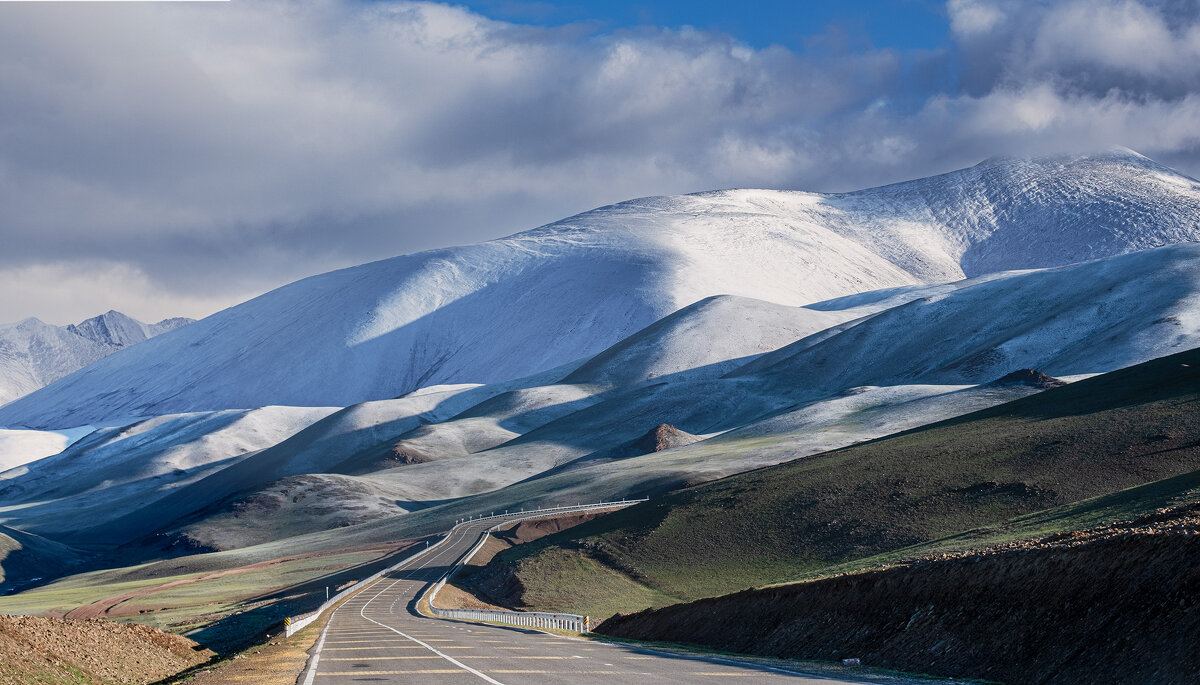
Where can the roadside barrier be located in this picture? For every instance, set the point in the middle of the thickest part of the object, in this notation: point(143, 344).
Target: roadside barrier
point(293, 624)
point(532, 619)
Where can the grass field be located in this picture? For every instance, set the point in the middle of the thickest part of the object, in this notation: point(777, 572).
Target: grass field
point(1102, 449)
point(219, 609)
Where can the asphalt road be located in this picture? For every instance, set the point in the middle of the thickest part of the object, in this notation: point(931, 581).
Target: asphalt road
point(377, 636)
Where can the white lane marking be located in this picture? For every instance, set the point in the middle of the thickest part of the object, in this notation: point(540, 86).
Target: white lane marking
point(316, 657)
point(312, 668)
point(447, 657)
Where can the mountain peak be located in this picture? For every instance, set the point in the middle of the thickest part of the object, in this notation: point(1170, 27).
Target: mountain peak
point(1115, 153)
point(121, 330)
point(34, 353)
point(111, 328)
point(1120, 151)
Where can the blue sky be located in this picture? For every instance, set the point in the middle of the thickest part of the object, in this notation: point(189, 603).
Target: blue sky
point(902, 24)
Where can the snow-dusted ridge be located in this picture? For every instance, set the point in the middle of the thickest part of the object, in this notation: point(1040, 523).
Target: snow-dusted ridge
point(34, 354)
point(512, 307)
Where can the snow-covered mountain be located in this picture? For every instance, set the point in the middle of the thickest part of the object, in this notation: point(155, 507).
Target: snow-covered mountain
point(34, 354)
point(508, 308)
point(863, 367)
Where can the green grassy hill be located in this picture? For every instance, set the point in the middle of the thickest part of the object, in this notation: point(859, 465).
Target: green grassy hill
point(1053, 461)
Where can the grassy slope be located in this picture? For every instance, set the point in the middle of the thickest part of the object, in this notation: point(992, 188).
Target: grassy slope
point(570, 571)
point(846, 508)
point(1113, 604)
point(1122, 505)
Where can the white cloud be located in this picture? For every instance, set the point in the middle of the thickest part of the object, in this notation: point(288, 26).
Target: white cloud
point(1123, 36)
point(968, 17)
point(77, 290)
point(226, 148)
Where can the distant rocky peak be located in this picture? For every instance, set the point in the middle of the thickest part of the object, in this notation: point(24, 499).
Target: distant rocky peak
point(118, 330)
point(171, 324)
point(111, 328)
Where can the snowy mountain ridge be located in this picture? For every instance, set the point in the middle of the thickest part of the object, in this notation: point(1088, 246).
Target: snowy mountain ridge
point(34, 353)
point(116, 329)
point(512, 307)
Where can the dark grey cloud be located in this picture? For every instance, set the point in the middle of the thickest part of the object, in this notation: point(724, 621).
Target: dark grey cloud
point(172, 159)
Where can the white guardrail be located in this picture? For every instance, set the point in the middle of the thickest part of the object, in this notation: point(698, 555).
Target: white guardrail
point(294, 624)
point(533, 619)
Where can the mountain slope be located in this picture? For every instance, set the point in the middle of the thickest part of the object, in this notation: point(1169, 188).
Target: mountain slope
point(875, 373)
point(34, 354)
point(116, 470)
point(566, 291)
point(560, 437)
point(1085, 318)
point(823, 513)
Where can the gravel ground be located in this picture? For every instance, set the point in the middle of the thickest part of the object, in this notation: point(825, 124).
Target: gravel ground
point(40, 650)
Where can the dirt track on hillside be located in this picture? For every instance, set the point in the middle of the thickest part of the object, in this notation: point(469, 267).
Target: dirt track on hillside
point(528, 531)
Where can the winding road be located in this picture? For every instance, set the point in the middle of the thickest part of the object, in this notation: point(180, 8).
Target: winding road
point(377, 636)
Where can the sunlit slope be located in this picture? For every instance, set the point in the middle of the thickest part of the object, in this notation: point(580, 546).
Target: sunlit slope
point(824, 512)
point(573, 429)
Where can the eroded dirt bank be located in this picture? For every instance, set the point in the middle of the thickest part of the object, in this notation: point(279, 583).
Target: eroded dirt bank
point(1114, 604)
point(484, 584)
point(34, 649)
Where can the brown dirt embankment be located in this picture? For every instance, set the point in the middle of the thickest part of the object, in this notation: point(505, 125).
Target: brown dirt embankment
point(519, 534)
point(1116, 604)
point(40, 650)
point(528, 531)
point(465, 591)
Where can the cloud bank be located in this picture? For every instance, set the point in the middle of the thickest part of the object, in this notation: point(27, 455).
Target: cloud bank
point(172, 159)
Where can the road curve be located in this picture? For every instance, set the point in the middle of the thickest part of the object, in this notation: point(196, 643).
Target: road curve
point(377, 636)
